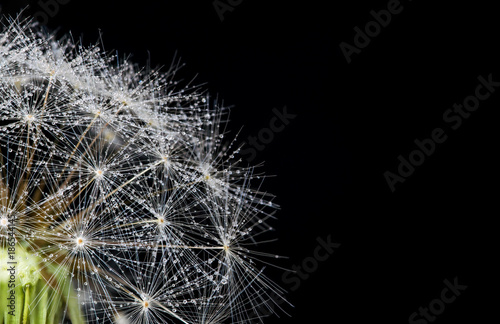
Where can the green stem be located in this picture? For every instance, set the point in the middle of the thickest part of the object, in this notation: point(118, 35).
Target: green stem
point(26, 308)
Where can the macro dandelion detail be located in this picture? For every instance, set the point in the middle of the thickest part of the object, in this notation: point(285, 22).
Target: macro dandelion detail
point(120, 199)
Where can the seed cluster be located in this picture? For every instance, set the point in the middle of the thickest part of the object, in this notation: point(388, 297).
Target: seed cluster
point(121, 182)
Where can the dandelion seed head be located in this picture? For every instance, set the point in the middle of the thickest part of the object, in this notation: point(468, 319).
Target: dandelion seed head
point(127, 198)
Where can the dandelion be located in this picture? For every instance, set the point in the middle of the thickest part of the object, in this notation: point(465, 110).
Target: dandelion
point(119, 200)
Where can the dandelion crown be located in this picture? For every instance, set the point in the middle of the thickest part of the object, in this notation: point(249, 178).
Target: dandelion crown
point(119, 202)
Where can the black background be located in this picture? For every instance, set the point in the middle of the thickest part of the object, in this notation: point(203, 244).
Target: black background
point(353, 121)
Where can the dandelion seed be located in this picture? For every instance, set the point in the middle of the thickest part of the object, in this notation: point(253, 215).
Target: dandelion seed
point(80, 242)
point(99, 173)
point(29, 118)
